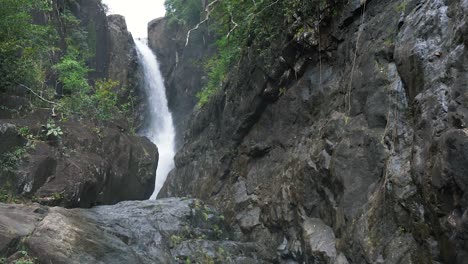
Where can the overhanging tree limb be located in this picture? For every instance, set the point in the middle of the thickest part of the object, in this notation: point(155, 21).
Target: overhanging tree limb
point(208, 11)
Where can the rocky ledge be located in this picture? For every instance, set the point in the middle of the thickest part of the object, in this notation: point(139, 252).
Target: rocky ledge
point(86, 166)
point(162, 231)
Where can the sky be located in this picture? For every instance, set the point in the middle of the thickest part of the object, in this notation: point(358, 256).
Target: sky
point(137, 13)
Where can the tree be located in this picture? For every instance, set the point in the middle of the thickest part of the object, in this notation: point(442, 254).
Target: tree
point(21, 41)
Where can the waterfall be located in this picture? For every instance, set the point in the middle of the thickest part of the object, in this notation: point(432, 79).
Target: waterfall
point(160, 128)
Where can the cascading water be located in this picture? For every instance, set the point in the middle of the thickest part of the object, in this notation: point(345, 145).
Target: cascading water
point(160, 128)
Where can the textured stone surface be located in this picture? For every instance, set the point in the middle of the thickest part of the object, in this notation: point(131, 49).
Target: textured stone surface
point(369, 136)
point(163, 231)
point(88, 165)
point(124, 68)
point(122, 53)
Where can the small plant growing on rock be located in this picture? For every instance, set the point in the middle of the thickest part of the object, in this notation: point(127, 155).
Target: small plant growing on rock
point(218, 232)
point(52, 130)
point(176, 240)
point(9, 160)
point(5, 197)
point(24, 259)
point(24, 132)
point(223, 256)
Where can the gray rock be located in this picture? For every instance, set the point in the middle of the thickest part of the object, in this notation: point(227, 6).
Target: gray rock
point(374, 145)
point(162, 231)
point(319, 237)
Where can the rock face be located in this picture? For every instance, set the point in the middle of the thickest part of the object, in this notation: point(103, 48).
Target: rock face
point(123, 66)
point(359, 142)
point(92, 162)
point(181, 66)
point(123, 60)
point(163, 231)
point(88, 165)
point(92, 16)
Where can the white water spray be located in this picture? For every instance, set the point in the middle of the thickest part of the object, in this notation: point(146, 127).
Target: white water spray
point(160, 129)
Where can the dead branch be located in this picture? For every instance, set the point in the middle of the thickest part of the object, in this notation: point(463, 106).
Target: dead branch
point(268, 6)
point(40, 97)
point(233, 28)
point(207, 17)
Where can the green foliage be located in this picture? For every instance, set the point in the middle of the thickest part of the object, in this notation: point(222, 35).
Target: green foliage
point(9, 160)
point(401, 7)
point(105, 100)
point(24, 132)
point(59, 50)
point(184, 12)
point(25, 259)
point(223, 256)
point(5, 197)
point(22, 43)
point(176, 240)
point(218, 68)
point(95, 102)
point(218, 232)
point(58, 196)
point(52, 130)
point(72, 74)
point(247, 27)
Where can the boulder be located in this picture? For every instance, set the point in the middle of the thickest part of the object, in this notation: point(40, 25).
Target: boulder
point(161, 231)
point(87, 165)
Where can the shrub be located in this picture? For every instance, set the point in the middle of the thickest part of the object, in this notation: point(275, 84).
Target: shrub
point(22, 43)
point(52, 130)
point(72, 74)
point(105, 99)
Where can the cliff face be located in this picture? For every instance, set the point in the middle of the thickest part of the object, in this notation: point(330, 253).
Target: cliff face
point(91, 162)
point(353, 148)
point(181, 66)
point(123, 67)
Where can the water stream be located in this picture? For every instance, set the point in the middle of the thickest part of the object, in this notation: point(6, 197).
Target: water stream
point(160, 129)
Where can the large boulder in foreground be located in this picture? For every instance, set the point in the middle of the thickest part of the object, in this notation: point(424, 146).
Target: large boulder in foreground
point(162, 231)
point(87, 165)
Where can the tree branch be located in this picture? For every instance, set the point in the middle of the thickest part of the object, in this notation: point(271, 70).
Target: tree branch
point(207, 17)
point(235, 26)
point(40, 97)
point(268, 6)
